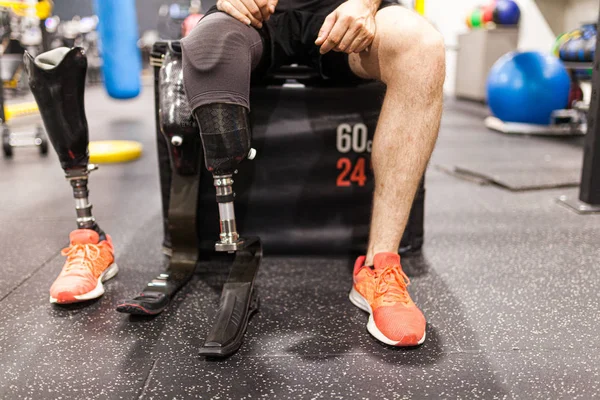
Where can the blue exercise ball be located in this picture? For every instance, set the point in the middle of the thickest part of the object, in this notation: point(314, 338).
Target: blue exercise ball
point(526, 87)
point(507, 12)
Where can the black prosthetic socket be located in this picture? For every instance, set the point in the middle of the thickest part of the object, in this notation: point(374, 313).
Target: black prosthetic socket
point(226, 135)
point(176, 121)
point(57, 81)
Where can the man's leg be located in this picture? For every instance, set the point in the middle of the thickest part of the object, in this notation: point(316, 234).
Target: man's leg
point(407, 55)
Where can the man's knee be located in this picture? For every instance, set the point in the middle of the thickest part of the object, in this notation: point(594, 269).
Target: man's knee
point(217, 40)
point(416, 48)
point(218, 58)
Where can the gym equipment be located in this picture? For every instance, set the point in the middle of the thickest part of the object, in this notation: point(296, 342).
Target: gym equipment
point(507, 12)
point(20, 110)
point(589, 50)
point(11, 140)
point(500, 12)
point(488, 13)
point(588, 201)
point(57, 81)
point(43, 9)
point(122, 64)
point(578, 45)
point(114, 151)
point(571, 49)
point(476, 18)
point(527, 87)
point(468, 21)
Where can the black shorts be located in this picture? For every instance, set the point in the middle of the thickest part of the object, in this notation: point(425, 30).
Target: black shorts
point(289, 38)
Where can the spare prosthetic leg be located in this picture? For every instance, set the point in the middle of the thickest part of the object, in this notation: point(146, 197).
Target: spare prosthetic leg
point(225, 132)
point(182, 135)
point(57, 81)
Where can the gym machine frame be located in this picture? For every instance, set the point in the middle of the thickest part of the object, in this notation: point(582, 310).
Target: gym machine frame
point(238, 298)
point(589, 193)
point(10, 140)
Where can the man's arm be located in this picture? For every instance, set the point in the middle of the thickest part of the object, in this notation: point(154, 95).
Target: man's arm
point(350, 28)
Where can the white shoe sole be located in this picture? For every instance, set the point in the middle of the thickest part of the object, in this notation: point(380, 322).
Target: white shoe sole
point(359, 301)
point(98, 291)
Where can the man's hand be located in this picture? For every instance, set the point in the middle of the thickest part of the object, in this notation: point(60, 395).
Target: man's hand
point(350, 28)
point(249, 12)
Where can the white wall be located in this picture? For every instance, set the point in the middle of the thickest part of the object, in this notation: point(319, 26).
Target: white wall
point(449, 17)
point(580, 11)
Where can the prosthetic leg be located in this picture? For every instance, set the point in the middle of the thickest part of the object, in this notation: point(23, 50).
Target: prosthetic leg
point(181, 132)
point(225, 132)
point(57, 81)
point(226, 139)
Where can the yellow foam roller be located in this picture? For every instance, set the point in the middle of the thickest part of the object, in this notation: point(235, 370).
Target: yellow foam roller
point(19, 110)
point(114, 151)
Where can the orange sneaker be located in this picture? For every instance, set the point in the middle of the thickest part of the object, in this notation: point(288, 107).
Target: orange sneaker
point(89, 263)
point(382, 292)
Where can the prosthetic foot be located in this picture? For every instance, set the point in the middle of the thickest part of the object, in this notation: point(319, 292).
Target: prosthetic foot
point(225, 132)
point(57, 81)
point(182, 135)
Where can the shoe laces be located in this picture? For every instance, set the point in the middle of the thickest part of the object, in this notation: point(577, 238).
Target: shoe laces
point(392, 282)
point(81, 255)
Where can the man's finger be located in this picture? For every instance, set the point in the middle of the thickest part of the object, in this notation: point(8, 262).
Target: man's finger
point(348, 39)
point(364, 45)
point(273, 5)
point(326, 28)
point(252, 7)
point(263, 7)
point(241, 8)
point(358, 40)
point(335, 36)
point(227, 7)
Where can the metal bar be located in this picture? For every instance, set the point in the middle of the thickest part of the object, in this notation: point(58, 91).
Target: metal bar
point(2, 114)
point(590, 176)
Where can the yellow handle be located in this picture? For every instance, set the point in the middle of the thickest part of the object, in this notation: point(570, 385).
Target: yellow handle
point(43, 9)
point(420, 6)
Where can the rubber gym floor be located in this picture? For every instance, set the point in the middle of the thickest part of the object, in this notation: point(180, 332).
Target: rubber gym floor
point(509, 282)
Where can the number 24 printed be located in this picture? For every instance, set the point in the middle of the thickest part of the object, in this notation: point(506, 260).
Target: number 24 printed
point(350, 174)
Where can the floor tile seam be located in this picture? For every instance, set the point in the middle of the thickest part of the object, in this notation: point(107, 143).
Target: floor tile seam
point(30, 275)
point(148, 379)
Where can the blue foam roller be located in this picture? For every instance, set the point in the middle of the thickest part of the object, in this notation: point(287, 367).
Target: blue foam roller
point(122, 62)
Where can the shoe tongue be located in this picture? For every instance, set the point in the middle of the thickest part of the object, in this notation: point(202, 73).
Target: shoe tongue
point(84, 236)
point(383, 260)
